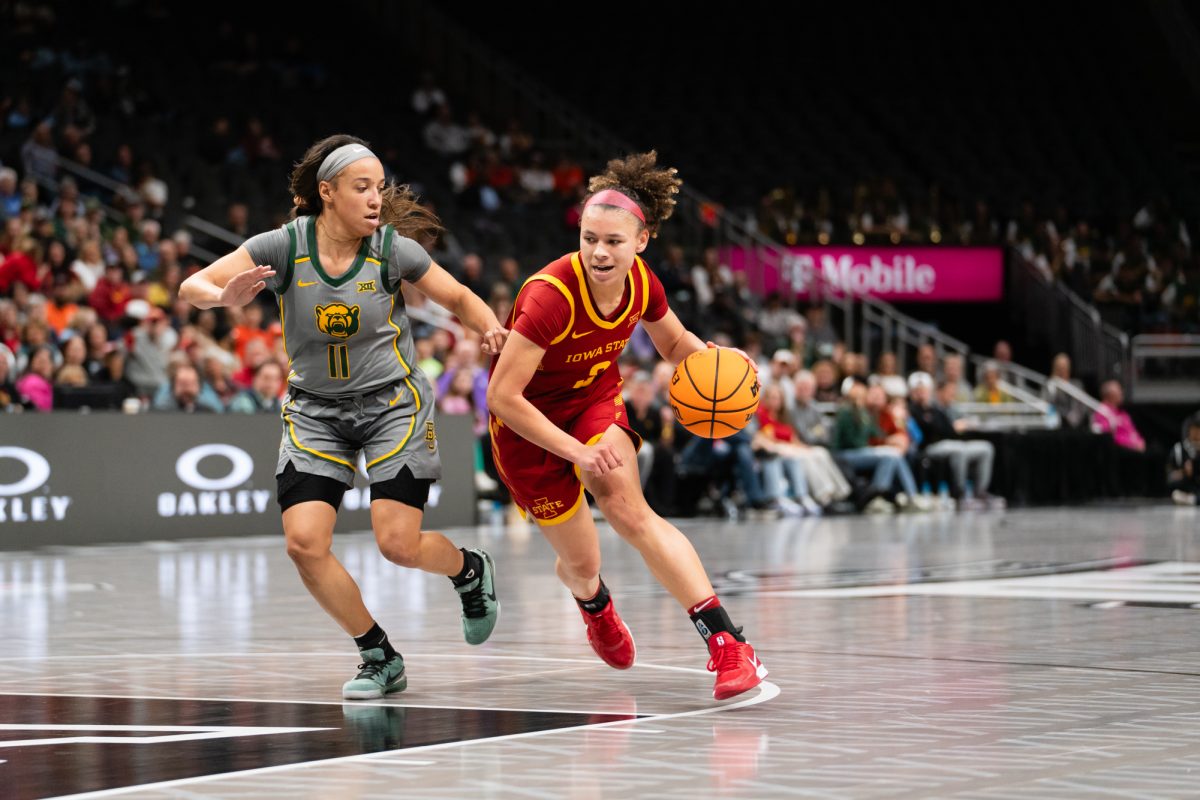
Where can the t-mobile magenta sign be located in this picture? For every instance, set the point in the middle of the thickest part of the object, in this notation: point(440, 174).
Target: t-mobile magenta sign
point(902, 274)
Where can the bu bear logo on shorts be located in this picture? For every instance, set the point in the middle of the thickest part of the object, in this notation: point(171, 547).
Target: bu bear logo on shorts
point(338, 320)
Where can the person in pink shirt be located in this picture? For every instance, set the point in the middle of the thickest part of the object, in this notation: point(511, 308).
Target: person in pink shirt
point(35, 385)
point(1115, 420)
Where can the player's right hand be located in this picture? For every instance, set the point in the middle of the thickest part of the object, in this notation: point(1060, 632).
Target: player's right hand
point(242, 287)
point(599, 459)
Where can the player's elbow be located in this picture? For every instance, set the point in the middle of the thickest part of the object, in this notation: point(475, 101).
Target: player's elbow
point(189, 290)
point(499, 401)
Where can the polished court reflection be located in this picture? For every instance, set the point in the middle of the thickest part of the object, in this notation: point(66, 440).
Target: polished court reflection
point(1029, 654)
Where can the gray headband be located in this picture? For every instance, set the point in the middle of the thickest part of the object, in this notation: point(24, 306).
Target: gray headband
point(341, 158)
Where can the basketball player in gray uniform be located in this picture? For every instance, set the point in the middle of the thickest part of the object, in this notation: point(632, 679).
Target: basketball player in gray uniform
point(353, 384)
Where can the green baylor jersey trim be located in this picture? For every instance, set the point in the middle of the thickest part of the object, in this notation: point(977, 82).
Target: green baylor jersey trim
point(349, 334)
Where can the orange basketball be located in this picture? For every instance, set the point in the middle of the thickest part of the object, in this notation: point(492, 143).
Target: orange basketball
point(714, 392)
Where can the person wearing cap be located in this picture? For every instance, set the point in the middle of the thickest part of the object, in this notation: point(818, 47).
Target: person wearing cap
point(780, 373)
point(149, 346)
point(941, 439)
point(336, 271)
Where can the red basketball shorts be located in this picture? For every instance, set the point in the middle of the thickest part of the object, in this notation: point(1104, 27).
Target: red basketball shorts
point(544, 486)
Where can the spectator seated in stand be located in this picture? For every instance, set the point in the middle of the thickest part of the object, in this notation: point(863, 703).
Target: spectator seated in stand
point(645, 417)
point(35, 387)
point(825, 478)
point(1114, 419)
point(779, 450)
point(9, 399)
point(1183, 465)
point(780, 371)
point(1072, 414)
point(856, 426)
point(989, 390)
point(887, 376)
point(940, 439)
point(184, 391)
point(954, 371)
point(263, 396)
point(663, 437)
point(827, 390)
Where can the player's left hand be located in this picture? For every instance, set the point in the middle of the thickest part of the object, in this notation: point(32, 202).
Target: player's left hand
point(753, 364)
point(493, 340)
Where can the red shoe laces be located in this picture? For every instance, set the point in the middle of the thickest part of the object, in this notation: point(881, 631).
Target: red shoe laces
point(725, 658)
point(608, 623)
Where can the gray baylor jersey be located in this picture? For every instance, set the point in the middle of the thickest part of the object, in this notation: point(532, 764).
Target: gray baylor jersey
point(347, 335)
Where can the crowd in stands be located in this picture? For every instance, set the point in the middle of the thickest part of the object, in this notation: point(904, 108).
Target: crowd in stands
point(90, 317)
point(1142, 272)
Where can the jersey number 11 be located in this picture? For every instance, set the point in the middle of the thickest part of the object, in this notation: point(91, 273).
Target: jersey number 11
point(339, 362)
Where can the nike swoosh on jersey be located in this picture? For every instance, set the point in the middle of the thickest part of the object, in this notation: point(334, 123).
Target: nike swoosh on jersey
point(575, 335)
point(302, 284)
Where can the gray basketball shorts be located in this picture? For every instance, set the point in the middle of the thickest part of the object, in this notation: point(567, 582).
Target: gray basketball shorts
point(380, 432)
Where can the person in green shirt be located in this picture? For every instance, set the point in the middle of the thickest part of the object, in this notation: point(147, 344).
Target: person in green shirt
point(853, 430)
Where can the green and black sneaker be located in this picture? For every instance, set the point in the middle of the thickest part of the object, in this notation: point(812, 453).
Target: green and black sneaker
point(377, 676)
point(480, 608)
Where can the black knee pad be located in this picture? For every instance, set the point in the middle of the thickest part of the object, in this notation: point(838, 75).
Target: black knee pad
point(295, 487)
point(404, 488)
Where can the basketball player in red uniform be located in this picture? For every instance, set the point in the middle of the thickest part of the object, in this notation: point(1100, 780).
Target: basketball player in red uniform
point(559, 424)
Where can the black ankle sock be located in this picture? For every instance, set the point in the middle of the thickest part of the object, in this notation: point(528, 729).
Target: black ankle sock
point(472, 568)
point(375, 638)
point(715, 620)
point(597, 603)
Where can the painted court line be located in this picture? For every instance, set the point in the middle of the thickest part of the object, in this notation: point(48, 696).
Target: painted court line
point(144, 656)
point(766, 691)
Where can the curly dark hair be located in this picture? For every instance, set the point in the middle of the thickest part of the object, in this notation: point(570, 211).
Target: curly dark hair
point(652, 187)
point(399, 207)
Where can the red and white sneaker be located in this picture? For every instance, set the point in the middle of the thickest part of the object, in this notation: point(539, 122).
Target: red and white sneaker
point(738, 669)
point(610, 638)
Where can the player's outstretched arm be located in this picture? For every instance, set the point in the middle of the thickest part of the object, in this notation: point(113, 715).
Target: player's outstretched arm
point(231, 280)
point(441, 287)
point(506, 399)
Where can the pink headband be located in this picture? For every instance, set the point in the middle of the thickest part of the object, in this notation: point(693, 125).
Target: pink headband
point(611, 197)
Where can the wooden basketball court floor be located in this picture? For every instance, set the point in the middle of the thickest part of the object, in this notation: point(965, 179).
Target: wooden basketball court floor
point(1028, 654)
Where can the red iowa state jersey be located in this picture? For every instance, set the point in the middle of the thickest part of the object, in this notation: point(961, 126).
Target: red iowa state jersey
point(555, 310)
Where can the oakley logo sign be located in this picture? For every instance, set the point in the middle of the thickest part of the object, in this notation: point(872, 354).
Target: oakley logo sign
point(18, 503)
point(215, 496)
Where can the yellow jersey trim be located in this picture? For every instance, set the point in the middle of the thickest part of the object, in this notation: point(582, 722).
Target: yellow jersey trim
point(283, 336)
point(317, 453)
point(641, 265)
point(374, 261)
point(412, 422)
point(400, 358)
point(562, 287)
point(561, 518)
point(589, 443)
point(590, 305)
point(303, 259)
